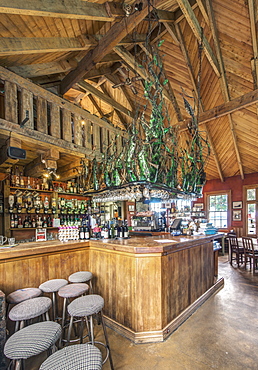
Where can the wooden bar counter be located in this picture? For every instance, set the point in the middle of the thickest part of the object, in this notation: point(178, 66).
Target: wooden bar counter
point(150, 284)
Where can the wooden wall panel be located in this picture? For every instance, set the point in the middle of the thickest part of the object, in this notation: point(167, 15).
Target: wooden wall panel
point(11, 102)
point(27, 106)
point(67, 126)
point(189, 275)
point(42, 115)
point(34, 270)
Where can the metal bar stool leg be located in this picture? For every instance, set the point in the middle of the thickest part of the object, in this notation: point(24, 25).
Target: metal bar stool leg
point(69, 331)
point(106, 339)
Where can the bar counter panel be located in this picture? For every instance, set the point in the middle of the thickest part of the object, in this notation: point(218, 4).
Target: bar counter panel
point(146, 285)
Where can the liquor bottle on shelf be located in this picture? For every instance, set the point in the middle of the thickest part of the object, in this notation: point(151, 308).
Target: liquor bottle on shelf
point(46, 204)
point(33, 222)
point(105, 232)
point(126, 233)
point(11, 203)
point(21, 180)
point(26, 222)
point(28, 182)
point(15, 221)
point(17, 177)
point(81, 233)
point(29, 221)
point(116, 230)
point(20, 225)
point(87, 231)
point(12, 224)
point(44, 224)
point(12, 177)
point(53, 205)
point(49, 221)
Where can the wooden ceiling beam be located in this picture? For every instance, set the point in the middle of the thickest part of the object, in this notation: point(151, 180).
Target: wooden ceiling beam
point(115, 34)
point(88, 87)
point(254, 62)
point(202, 6)
point(196, 28)
point(37, 70)
point(224, 109)
point(72, 9)
point(36, 45)
point(170, 27)
point(94, 103)
point(223, 81)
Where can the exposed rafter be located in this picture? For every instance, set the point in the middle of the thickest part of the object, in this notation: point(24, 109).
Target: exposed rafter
point(115, 34)
point(35, 45)
point(191, 74)
point(253, 20)
point(119, 114)
point(224, 109)
point(223, 82)
point(196, 28)
point(88, 87)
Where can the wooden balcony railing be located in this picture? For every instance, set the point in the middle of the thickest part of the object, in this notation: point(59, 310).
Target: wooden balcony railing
point(29, 110)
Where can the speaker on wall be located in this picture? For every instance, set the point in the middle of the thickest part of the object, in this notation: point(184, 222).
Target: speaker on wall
point(16, 153)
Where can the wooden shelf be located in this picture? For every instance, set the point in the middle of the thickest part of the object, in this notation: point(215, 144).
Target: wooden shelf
point(37, 190)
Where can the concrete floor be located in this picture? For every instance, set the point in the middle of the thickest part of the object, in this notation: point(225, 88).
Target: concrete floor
point(221, 334)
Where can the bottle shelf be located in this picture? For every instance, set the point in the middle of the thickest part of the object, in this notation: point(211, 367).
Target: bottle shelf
point(30, 228)
point(37, 190)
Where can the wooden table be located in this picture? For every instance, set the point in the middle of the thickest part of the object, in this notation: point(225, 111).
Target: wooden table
point(150, 284)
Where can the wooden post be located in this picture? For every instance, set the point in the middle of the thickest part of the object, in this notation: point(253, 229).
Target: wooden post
point(11, 102)
point(42, 115)
point(87, 132)
point(77, 122)
point(55, 121)
point(67, 126)
point(27, 107)
point(96, 137)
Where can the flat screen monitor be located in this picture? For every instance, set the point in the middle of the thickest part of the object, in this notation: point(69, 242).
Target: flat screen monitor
point(176, 224)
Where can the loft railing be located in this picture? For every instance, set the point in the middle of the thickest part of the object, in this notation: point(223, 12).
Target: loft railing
point(31, 109)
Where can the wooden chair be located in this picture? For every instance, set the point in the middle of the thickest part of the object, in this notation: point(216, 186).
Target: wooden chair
point(235, 249)
point(251, 255)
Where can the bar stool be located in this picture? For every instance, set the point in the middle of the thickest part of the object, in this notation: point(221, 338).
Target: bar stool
point(31, 341)
point(52, 286)
point(81, 277)
point(29, 309)
point(21, 295)
point(87, 306)
point(76, 357)
point(71, 291)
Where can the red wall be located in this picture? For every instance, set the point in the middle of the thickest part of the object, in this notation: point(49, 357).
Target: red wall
point(235, 184)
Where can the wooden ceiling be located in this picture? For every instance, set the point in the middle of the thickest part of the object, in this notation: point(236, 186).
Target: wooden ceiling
point(80, 49)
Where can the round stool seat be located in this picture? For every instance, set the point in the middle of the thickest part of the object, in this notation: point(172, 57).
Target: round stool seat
point(76, 357)
point(21, 295)
point(32, 340)
point(80, 277)
point(86, 305)
point(52, 285)
point(73, 290)
point(29, 309)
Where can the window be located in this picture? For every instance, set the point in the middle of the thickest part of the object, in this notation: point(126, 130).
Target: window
point(251, 206)
point(217, 210)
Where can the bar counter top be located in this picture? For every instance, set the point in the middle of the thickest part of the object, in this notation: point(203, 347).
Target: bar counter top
point(164, 244)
